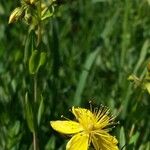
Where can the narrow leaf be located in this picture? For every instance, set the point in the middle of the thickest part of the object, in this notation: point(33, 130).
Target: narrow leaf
point(40, 110)
point(122, 139)
point(83, 77)
point(143, 53)
point(34, 62)
point(29, 114)
point(42, 59)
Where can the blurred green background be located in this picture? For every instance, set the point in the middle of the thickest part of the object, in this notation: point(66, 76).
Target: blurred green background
point(92, 47)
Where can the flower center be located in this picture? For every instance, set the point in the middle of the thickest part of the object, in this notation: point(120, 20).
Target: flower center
point(90, 127)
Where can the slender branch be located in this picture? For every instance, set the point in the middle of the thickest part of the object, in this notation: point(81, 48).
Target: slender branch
point(35, 142)
point(39, 24)
point(39, 34)
point(35, 137)
point(35, 88)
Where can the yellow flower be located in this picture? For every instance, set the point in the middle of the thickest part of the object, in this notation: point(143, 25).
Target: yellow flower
point(91, 126)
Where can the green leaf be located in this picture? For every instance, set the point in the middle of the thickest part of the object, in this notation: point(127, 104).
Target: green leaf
point(147, 86)
point(29, 46)
point(51, 143)
point(148, 2)
point(14, 136)
point(46, 13)
point(147, 147)
point(137, 81)
point(29, 114)
point(83, 77)
point(134, 138)
point(122, 139)
point(34, 62)
point(15, 129)
point(40, 110)
point(42, 59)
point(143, 54)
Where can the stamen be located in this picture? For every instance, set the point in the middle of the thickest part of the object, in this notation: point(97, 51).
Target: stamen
point(65, 118)
point(100, 134)
point(90, 102)
point(95, 111)
point(101, 113)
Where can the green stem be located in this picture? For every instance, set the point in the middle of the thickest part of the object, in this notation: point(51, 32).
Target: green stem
point(35, 88)
point(39, 24)
point(35, 142)
point(39, 36)
point(35, 138)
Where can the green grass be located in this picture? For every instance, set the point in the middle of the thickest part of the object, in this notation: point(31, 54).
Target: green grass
point(92, 47)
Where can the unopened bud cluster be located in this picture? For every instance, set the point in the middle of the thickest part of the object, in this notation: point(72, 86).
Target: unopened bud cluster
point(144, 82)
point(31, 1)
point(33, 11)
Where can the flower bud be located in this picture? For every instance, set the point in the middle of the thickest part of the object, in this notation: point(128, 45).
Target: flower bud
point(30, 2)
point(33, 1)
point(28, 17)
point(15, 15)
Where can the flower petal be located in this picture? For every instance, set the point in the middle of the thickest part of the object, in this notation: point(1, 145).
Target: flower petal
point(104, 141)
point(78, 142)
point(84, 116)
point(66, 127)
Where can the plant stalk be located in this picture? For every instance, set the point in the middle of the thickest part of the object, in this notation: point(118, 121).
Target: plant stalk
point(35, 142)
point(35, 137)
point(39, 36)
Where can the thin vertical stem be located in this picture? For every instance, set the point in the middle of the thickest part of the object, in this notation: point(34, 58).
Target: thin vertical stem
point(35, 88)
point(39, 23)
point(125, 41)
point(35, 142)
point(35, 138)
point(39, 36)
